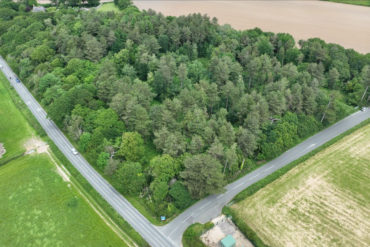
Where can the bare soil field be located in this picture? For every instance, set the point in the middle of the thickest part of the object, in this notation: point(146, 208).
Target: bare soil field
point(324, 201)
point(344, 24)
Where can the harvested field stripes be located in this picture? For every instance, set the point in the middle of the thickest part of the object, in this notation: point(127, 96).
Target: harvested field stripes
point(324, 201)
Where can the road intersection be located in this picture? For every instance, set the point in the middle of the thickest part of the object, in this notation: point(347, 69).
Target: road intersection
point(202, 211)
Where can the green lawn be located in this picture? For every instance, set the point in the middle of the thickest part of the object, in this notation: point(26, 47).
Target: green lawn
point(37, 207)
point(323, 201)
point(355, 2)
point(108, 7)
point(14, 130)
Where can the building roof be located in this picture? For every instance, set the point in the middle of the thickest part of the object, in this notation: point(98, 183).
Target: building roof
point(228, 241)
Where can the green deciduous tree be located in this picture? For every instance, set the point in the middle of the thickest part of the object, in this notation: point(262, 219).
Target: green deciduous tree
point(102, 160)
point(132, 146)
point(164, 167)
point(180, 194)
point(159, 190)
point(131, 178)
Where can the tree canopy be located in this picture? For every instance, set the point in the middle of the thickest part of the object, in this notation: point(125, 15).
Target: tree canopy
point(173, 107)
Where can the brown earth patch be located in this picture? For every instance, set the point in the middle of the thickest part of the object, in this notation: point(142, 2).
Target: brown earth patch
point(36, 145)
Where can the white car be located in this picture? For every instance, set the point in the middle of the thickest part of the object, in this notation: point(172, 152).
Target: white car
point(1, 66)
point(74, 151)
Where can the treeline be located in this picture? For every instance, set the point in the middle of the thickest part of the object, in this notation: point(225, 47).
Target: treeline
point(169, 109)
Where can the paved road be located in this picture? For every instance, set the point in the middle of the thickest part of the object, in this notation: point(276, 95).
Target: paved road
point(149, 232)
point(202, 211)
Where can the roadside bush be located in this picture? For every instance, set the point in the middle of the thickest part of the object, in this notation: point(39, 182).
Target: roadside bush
point(191, 236)
point(122, 4)
point(181, 195)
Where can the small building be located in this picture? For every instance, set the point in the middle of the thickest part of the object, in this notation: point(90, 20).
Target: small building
point(228, 241)
point(38, 9)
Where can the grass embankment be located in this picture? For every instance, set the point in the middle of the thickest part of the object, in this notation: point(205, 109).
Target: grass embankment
point(191, 236)
point(323, 200)
point(36, 206)
point(354, 2)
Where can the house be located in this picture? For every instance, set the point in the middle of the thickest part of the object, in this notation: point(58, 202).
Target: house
point(228, 241)
point(38, 9)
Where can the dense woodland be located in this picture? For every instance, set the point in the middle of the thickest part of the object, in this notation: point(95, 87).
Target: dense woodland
point(171, 109)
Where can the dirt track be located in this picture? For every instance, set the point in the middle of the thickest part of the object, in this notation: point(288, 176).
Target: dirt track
point(347, 25)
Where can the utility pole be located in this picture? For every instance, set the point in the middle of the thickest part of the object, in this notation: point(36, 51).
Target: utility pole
point(327, 107)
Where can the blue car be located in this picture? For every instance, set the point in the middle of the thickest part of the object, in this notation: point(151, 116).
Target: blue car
point(17, 80)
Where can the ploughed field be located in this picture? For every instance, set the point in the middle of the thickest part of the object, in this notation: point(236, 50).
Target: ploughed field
point(325, 201)
point(39, 206)
point(344, 24)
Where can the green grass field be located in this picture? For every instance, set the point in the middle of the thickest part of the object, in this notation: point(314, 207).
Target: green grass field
point(355, 2)
point(37, 207)
point(14, 130)
point(108, 7)
point(323, 201)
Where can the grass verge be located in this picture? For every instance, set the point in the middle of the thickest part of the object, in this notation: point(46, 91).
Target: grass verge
point(191, 236)
point(353, 2)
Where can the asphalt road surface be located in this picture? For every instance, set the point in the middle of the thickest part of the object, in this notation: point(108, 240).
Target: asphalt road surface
point(204, 210)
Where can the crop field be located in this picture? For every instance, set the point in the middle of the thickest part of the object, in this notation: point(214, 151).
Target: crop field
point(39, 205)
point(324, 201)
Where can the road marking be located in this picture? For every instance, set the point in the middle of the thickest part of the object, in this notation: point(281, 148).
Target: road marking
point(219, 196)
point(173, 231)
point(205, 205)
point(28, 102)
point(187, 218)
point(312, 145)
point(38, 109)
point(254, 176)
point(237, 186)
point(269, 168)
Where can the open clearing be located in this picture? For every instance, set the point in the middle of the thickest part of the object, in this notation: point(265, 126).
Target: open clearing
point(106, 7)
point(344, 24)
point(325, 201)
point(38, 205)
